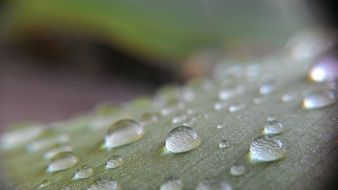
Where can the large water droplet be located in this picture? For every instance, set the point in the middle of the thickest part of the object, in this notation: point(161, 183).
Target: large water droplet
point(319, 99)
point(273, 127)
point(83, 172)
point(172, 183)
point(123, 132)
point(182, 139)
point(325, 70)
point(223, 144)
point(105, 185)
point(237, 170)
point(19, 137)
point(236, 107)
point(114, 162)
point(47, 142)
point(213, 184)
point(52, 153)
point(62, 161)
point(45, 184)
point(266, 149)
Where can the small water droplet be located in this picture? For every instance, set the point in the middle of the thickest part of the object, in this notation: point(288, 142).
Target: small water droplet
point(172, 183)
point(62, 161)
point(19, 137)
point(220, 125)
point(44, 184)
point(267, 149)
point(47, 143)
point(213, 184)
point(325, 70)
point(53, 152)
point(123, 132)
point(182, 139)
point(220, 105)
point(273, 127)
point(319, 99)
point(237, 170)
point(230, 92)
point(223, 144)
point(105, 185)
point(236, 107)
point(114, 162)
point(267, 88)
point(288, 97)
point(83, 172)
point(178, 119)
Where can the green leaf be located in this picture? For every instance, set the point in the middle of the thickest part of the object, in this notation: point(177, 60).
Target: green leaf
point(310, 137)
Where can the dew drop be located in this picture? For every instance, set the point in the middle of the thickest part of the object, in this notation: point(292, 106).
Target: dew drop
point(105, 185)
point(318, 99)
point(62, 161)
point(182, 139)
point(237, 170)
point(267, 149)
point(236, 107)
point(123, 132)
point(114, 162)
point(44, 184)
point(273, 127)
point(47, 143)
point(53, 152)
point(325, 70)
point(19, 137)
point(213, 184)
point(83, 172)
point(223, 144)
point(172, 183)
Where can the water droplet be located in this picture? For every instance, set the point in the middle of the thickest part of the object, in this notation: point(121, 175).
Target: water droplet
point(273, 127)
point(172, 183)
point(288, 97)
point(267, 149)
point(105, 185)
point(220, 125)
point(123, 132)
point(62, 161)
point(325, 70)
point(236, 107)
point(114, 162)
point(19, 137)
point(44, 184)
point(237, 170)
point(220, 105)
point(47, 143)
point(182, 139)
point(223, 144)
point(267, 88)
point(178, 119)
point(83, 172)
point(319, 99)
point(230, 92)
point(213, 184)
point(52, 153)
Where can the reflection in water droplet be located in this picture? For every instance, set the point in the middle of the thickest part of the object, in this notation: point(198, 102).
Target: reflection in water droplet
point(273, 127)
point(319, 99)
point(236, 107)
point(182, 139)
point(213, 184)
point(224, 144)
point(114, 162)
point(47, 142)
point(105, 185)
point(123, 132)
point(44, 184)
point(62, 161)
point(325, 70)
point(266, 149)
point(83, 172)
point(19, 137)
point(53, 152)
point(237, 170)
point(172, 183)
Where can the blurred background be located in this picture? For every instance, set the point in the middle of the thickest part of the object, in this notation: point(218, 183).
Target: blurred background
point(59, 58)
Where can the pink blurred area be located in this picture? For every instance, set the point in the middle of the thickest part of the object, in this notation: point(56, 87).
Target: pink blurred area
point(41, 94)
